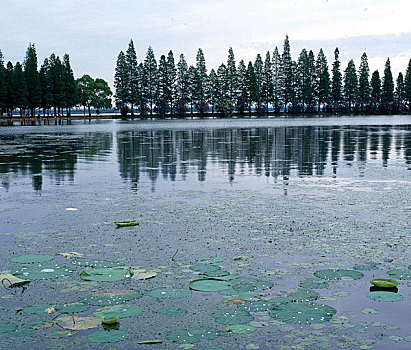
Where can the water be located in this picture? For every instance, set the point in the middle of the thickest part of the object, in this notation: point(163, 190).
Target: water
point(287, 196)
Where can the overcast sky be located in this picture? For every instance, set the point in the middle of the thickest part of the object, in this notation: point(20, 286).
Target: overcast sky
point(93, 32)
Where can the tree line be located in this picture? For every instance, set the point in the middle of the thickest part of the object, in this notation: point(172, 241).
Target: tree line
point(51, 89)
point(277, 84)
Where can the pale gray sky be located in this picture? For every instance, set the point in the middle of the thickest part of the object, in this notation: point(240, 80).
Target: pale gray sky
point(93, 32)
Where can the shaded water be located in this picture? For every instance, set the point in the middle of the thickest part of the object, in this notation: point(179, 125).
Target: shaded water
point(289, 197)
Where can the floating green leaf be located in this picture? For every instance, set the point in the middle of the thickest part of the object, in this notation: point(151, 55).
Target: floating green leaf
point(256, 306)
point(369, 267)
point(106, 274)
point(313, 283)
point(337, 274)
point(123, 311)
point(31, 258)
point(43, 272)
point(303, 312)
point(192, 335)
point(169, 293)
point(230, 317)
point(400, 274)
point(126, 223)
point(240, 328)
point(111, 298)
point(38, 309)
point(111, 336)
point(86, 262)
point(244, 287)
point(209, 285)
point(384, 282)
point(261, 284)
point(205, 268)
point(7, 327)
point(384, 296)
point(216, 274)
point(72, 307)
point(172, 311)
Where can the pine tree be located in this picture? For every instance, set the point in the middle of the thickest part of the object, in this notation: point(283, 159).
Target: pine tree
point(336, 84)
point(276, 78)
point(150, 73)
point(267, 85)
point(364, 88)
point(3, 85)
point(9, 87)
point(70, 93)
point(191, 88)
point(259, 78)
point(133, 90)
point(232, 77)
point(407, 86)
point(350, 84)
point(387, 95)
point(200, 83)
point(142, 83)
point(322, 80)
point(312, 76)
point(251, 86)
point(399, 92)
point(19, 88)
point(163, 86)
point(172, 76)
point(32, 79)
point(375, 89)
point(212, 89)
point(182, 83)
point(121, 84)
point(57, 83)
point(303, 80)
point(223, 98)
point(45, 83)
point(242, 89)
point(287, 91)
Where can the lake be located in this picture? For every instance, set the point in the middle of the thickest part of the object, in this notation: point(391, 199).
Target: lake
point(287, 220)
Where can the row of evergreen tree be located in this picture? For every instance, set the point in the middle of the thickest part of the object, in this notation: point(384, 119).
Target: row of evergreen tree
point(53, 88)
point(277, 84)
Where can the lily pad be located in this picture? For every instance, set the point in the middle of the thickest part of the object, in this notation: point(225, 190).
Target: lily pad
point(220, 273)
point(205, 268)
point(72, 307)
point(79, 323)
point(313, 283)
point(303, 312)
point(123, 311)
point(169, 293)
point(106, 274)
point(245, 287)
point(384, 296)
point(400, 274)
point(261, 284)
point(337, 274)
point(211, 260)
point(300, 295)
point(111, 336)
point(209, 285)
point(192, 335)
point(111, 298)
point(256, 306)
point(365, 267)
point(7, 327)
point(230, 317)
point(31, 258)
point(86, 262)
point(384, 282)
point(240, 328)
point(23, 330)
point(172, 311)
point(39, 309)
point(43, 272)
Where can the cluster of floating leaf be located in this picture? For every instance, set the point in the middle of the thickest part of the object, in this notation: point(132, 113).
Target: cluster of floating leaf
point(249, 295)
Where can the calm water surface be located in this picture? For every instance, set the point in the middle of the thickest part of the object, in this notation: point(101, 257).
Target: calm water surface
point(276, 199)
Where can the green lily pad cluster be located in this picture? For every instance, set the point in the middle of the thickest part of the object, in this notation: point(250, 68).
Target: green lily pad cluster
point(303, 312)
point(31, 258)
point(384, 296)
point(337, 274)
point(43, 271)
point(111, 298)
point(107, 336)
point(106, 274)
point(230, 317)
point(122, 311)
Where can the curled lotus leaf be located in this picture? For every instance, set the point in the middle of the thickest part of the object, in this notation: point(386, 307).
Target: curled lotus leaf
point(192, 335)
point(337, 274)
point(384, 296)
point(162, 293)
point(31, 258)
point(111, 298)
point(209, 285)
point(230, 317)
point(110, 336)
point(122, 311)
point(303, 312)
point(106, 274)
point(400, 274)
point(43, 271)
point(384, 282)
point(313, 283)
